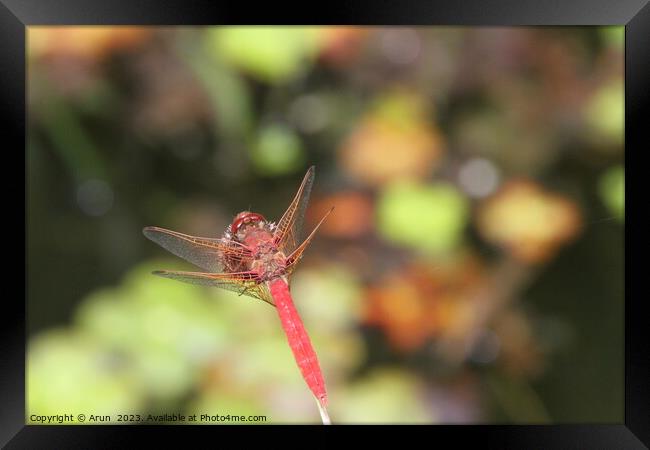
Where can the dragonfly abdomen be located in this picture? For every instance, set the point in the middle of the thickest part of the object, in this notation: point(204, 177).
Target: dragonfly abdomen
point(298, 338)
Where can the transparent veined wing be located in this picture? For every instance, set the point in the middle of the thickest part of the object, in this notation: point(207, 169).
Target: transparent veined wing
point(288, 231)
point(206, 253)
point(294, 257)
point(244, 283)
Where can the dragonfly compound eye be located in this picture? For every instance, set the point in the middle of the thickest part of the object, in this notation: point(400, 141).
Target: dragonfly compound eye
point(245, 218)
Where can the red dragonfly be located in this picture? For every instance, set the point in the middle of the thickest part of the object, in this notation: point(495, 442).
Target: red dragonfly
point(255, 257)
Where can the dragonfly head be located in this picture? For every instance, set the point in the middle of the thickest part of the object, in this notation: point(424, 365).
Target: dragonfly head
point(244, 220)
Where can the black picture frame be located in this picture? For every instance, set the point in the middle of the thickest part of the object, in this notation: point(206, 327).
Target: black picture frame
point(16, 15)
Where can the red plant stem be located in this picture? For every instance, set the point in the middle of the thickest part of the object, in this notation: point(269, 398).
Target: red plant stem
point(298, 339)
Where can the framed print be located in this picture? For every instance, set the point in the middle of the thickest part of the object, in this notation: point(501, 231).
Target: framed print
point(407, 214)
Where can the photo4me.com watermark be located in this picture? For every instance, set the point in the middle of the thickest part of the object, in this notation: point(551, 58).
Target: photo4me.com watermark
point(81, 418)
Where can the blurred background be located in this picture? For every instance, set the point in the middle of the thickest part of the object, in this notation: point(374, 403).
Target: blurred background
point(472, 271)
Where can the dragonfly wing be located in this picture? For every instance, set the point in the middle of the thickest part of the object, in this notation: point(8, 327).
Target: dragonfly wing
point(206, 253)
point(295, 256)
point(287, 232)
point(244, 283)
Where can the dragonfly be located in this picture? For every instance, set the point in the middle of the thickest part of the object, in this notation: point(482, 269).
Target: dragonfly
point(255, 257)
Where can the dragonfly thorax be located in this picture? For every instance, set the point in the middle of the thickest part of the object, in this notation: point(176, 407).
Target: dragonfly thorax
point(256, 234)
point(269, 263)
